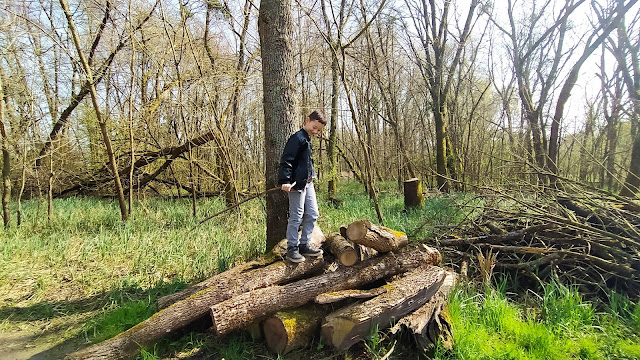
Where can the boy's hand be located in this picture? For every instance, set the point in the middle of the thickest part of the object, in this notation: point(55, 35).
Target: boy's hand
point(287, 187)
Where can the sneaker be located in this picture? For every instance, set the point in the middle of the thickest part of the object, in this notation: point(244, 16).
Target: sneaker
point(307, 250)
point(293, 255)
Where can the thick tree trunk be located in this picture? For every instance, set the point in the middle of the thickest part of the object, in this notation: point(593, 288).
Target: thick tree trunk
point(377, 237)
point(428, 324)
point(275, 26)
point(248, 307)
point(292, 329)
point(127, 345)
point(344, 250)
point(347, 326)
point(413, 193)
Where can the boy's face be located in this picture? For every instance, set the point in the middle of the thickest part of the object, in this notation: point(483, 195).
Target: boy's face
point(313, 127)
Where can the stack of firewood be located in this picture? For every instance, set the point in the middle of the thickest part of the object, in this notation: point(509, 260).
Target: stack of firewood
point(368, 277)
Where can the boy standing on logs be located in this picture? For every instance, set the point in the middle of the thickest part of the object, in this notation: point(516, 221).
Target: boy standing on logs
point(296, 176)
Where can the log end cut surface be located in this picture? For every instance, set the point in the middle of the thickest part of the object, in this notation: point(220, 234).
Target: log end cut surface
point(275, 335)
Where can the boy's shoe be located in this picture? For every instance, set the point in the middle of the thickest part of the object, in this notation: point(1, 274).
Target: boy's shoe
point(307, 250)
point(293, 255)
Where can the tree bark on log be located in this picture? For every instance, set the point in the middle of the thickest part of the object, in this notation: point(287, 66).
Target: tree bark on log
point(413, 193)
point(342, 249)
point(377, 237)
point(427, 323)
point(250, 306)
point(127, 345)
point(335, 296)
point(347, 326)
point(291, 329)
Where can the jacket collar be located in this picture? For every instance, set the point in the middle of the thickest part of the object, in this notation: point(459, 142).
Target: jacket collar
point(306, 135)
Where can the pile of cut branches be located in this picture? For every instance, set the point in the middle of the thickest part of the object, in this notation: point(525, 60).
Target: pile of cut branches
point(578, 235)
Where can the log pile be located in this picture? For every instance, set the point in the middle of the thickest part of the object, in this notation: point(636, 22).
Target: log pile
point(340, 296)
point(576, 235)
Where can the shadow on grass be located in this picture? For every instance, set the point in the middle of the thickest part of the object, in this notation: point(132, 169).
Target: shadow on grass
point(119, 310)
point(48, 310)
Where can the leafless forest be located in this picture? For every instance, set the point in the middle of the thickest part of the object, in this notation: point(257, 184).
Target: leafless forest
point(116, 97)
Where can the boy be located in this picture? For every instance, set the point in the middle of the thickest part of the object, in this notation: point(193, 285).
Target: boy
point(296, 176)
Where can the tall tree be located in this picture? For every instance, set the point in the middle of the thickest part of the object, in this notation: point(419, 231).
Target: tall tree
point(630, 49)
point(431, 20)
point(275, 26)
point(94, 99)
point(596, 38)
point(6, 157)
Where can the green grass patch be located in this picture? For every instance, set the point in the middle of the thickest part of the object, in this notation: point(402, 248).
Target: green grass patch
point(489, 325)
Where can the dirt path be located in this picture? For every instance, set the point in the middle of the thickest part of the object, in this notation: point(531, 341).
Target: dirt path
point(28, 345)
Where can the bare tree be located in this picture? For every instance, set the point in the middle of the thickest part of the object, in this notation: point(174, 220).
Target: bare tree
point(431, 21)
point(94, 99)
point(276, 30)
point(628, 48)
point(6, 156)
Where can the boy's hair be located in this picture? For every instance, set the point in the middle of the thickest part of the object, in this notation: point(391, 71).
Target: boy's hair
point(318, 115)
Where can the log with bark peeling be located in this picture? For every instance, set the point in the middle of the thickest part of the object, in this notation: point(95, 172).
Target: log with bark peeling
point(427, 323)
point(335, 296)
point(347, 326)
point(291, 329)
point(127, 345)
point(377, 237)
point(237, 312)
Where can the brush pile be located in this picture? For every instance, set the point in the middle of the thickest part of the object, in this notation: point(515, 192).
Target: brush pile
point(369, 277)
point(577, 235)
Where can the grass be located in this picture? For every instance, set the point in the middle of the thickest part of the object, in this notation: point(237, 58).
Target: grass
point(559, 324)
point(84, 274)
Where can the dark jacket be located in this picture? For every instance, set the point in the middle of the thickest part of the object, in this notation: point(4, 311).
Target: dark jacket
point(296, 163)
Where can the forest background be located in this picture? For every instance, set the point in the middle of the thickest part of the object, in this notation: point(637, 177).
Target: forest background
point(169, 96)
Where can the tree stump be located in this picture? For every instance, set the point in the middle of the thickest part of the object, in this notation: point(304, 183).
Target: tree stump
point(291, 329)
point(344, 250)
point(347, 326)
point(237, 312)
point(413, 193)
point(377, 237)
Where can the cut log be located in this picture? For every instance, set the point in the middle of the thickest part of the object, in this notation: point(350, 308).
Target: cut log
point(245, 308)
point(347, 326)
point(428, 324)
point(127, 345)
point(413, 193)
point(335, 296)
point(317, 238)
point(292, 329)
point(377, 237)
point(344, 250)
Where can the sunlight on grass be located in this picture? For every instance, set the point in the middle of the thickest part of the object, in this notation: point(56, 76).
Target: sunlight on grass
point(490, 326)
